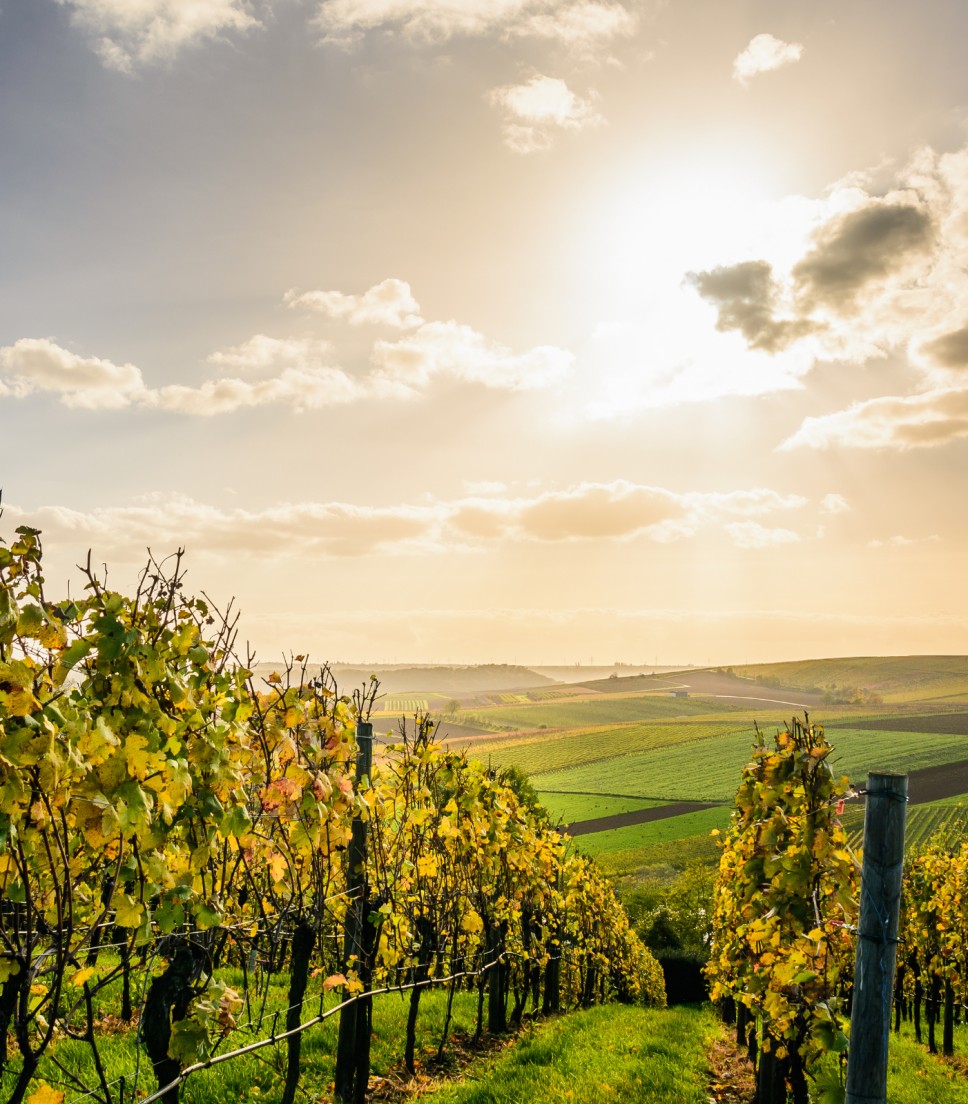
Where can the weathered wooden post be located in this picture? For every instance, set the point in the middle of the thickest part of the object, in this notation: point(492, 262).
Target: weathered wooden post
point(880, 905)
point(352, 1047)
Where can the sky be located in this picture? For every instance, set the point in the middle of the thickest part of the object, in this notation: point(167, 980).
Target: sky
point(465, 331)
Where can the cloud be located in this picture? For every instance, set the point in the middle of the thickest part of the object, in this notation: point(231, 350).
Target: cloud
point(746, 297)
point(581, 24)
point(535, 109)
point(904, 542)
point(750, 534)
point(38, 364)
point(855, 249)
point(834, 504)
point(294, 372)
point(127, 33)
point(880, 274)
point(389, 303)
point(950, 350)
point(620, 510)
point(608, 511)
point(299, 388)
point(763, 54)
point(914, 421)
point(261, 354)
point(450, 349)
point(301, 380)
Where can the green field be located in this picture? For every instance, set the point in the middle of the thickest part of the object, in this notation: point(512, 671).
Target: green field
point(647, 836)
point(709, 770)
point(551, 751)
point(606, 753)
point(948, 819)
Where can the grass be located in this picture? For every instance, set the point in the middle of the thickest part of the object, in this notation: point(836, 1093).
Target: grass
point(612, 1054)
point(645, 837)
point(261, 1074)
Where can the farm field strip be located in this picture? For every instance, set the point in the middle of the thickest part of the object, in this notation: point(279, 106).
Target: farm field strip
point(568, 808)
point(948, 724)
point(551, 751)
point(403, 706)
point(600, 710)
point(709, 770)
point(636, 836)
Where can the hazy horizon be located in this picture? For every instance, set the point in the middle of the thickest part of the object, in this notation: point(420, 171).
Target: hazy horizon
point(458, 331)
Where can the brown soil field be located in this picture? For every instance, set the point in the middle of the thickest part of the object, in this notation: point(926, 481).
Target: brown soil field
point(938, 783)
point(954, 723)
point(637, 816)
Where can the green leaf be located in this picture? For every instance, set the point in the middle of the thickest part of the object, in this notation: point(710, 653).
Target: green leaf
point(29, 620)
point(236, 822)
point(8, 616)
point(189, 1042)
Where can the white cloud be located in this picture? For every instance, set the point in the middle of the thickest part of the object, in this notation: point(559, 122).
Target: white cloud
point(261, 353)
point(904, 542)
point(764, 53)
point(834, 504)
point(294, 372)
point(38, 364)
point(127, 33)
point(460, 352)
point(614, 511)
point(297, 388)
point(750, 534)
point(538, 107)
point(389, 303)
point(580, 24)
point(913, 421)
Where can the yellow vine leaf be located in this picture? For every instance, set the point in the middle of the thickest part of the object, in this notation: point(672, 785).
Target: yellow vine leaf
point(46, 1095)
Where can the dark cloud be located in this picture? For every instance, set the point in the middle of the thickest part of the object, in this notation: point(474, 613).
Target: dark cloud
point(745, 295)
point(950, 350)
point(861, 246)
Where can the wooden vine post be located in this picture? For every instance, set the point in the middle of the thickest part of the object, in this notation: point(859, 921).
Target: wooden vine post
point(880, 903)
point(353, 1045)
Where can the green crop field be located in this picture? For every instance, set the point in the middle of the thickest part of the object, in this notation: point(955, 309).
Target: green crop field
point(948, 819)
point(709, 770)
point(552, 751)
point(406, 707)
point(641, 836)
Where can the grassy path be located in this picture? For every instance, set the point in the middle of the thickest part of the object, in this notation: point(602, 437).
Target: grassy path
point(625, 1055)
point(607, 1055)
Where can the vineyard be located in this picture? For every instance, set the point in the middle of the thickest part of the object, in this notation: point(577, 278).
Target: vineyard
point(175, 842)
point(788, 926)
